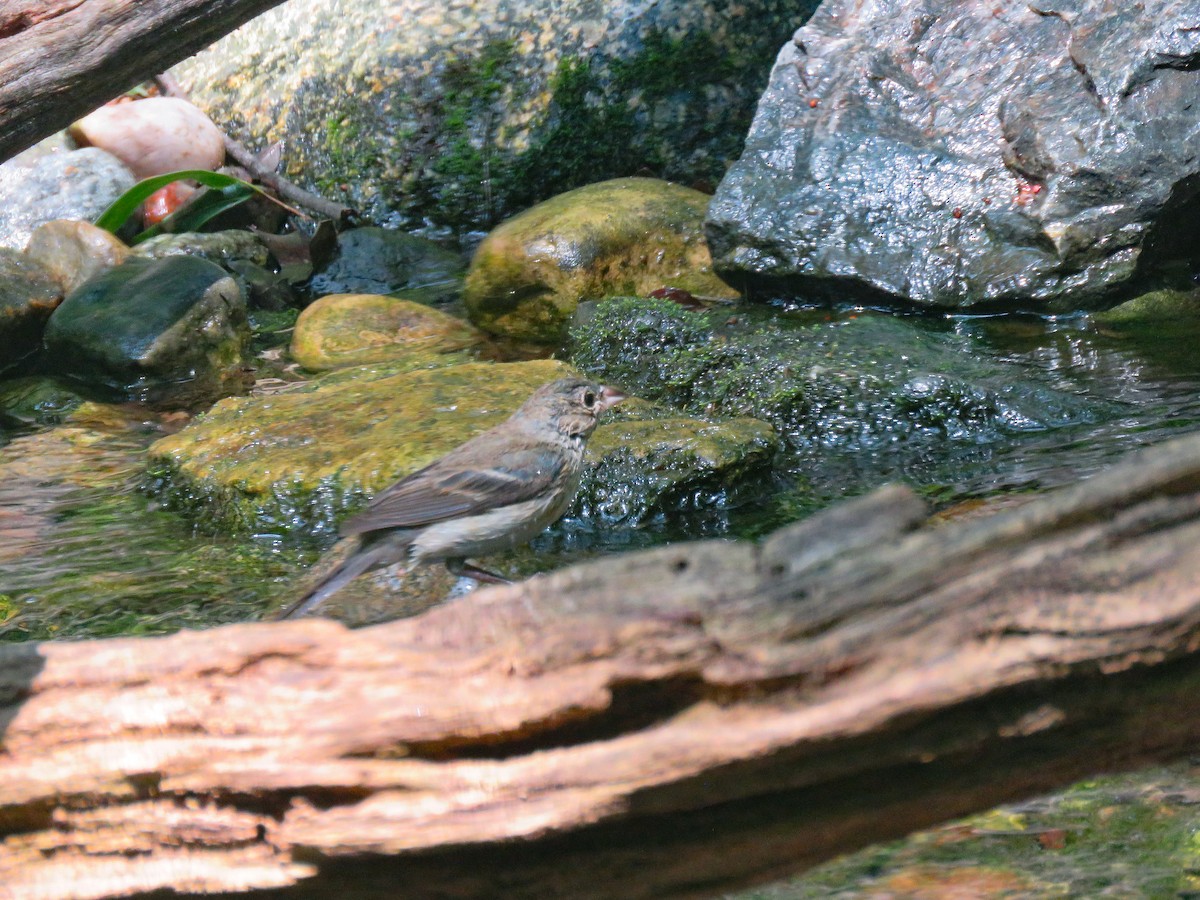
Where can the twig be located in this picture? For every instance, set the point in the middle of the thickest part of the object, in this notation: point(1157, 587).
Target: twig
point(248, 161)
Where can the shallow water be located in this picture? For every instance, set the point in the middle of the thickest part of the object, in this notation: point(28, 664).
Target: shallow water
point(83, 551)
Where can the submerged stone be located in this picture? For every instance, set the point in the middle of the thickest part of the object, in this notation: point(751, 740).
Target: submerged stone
point(169, 331)
point(359, 329)
point(32, 401)
point(628, 236)
point(385, 261)
point(28, 296)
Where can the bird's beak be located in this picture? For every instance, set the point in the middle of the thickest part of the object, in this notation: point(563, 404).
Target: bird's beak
point(609, 397)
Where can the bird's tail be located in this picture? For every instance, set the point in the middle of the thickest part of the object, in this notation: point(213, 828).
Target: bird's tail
point(356, 559)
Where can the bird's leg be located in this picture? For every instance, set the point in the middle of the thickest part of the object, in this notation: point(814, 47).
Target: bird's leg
point(462, 567)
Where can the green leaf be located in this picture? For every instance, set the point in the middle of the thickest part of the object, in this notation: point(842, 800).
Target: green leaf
point(200, 208)
point(127, 204)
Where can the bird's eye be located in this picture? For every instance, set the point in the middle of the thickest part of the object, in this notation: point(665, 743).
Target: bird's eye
point(589, 399)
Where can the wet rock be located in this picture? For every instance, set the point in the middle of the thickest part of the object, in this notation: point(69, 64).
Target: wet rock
point(153, 136)
point(72, 251)
point(169, 331)
point(240, 253)
point(264, 289)
point(952, 154)
point(34, 401)
point(220, 247)
point(42, 187)
point(856, 384)
point(621, 237)
point(466, 112)
point(647, 468)
point(384, 261)
point(359, 329)
point(295, 462)
point(28, 295)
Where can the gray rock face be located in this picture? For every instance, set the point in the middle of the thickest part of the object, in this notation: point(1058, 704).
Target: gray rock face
point(171, 331)
point(40, 187)
point(955, 153)
point(467, 111)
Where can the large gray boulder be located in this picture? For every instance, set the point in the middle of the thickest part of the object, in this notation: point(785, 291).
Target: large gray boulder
point(957, 153)
point(463, 113)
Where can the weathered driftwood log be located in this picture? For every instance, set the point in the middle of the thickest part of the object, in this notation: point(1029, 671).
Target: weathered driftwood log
point(60, 59)
point(671, 723)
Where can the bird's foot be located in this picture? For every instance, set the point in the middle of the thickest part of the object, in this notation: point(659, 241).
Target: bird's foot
point(462, 567)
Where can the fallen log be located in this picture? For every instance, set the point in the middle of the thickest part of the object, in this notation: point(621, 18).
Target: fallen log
point(678, 722)
point(60, 59)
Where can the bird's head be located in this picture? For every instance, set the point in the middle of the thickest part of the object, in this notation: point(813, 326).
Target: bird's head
point(571, 405)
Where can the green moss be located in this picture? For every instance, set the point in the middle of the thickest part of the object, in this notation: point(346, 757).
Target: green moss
point(470, 175)
point(1123, 836)
point(669, 65)
point(588, 135)
point(292, 464)
point(1160, 309)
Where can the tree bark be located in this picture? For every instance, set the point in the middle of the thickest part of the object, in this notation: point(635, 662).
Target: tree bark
point(678, 722)
point(60, 59)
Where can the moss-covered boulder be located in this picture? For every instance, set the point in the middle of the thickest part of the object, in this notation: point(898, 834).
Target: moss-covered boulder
point(293, 463)
point(296, 463)
point(834, 386)
point(385, 261)
point(360, 329)
point(28, 296)
point(1155, 308)
point(170, 331)
point(628, 236)
point(643, 468)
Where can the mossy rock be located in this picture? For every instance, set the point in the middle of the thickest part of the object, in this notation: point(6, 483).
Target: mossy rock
point(859, 383)
point(643, 468)
point(627, 236)
point(294, 463)
point(360, 329)
point(220, 247)
point(1156, 307)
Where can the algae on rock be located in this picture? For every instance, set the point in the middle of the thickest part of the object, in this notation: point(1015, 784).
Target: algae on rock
point(294, 463)
point(619, 237)
point(359, 329)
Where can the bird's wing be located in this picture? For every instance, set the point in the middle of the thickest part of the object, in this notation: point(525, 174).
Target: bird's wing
point(453, 486)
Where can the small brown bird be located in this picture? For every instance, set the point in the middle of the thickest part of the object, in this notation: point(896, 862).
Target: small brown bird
point(498, 490)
